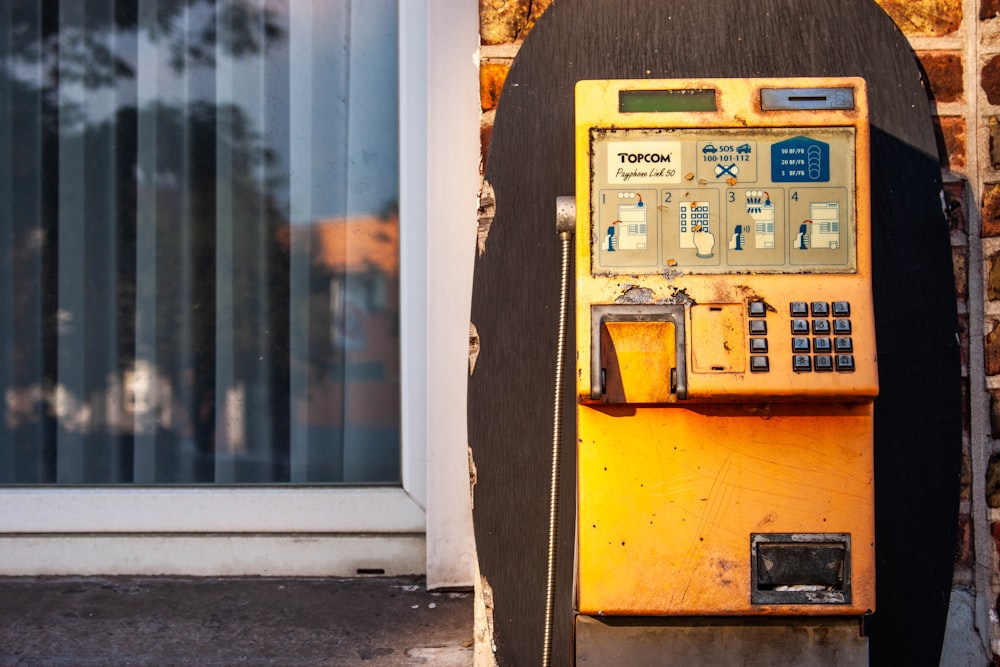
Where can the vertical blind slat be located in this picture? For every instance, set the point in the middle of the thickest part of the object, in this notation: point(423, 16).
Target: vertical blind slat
point(198, 202)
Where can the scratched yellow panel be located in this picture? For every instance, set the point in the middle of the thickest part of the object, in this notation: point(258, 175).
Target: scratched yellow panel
point(668, 499)
point(670, 494)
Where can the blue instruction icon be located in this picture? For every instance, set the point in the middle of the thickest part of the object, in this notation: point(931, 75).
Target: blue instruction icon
point(800, 160)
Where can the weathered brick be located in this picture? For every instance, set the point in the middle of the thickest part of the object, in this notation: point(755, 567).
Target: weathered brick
point(538, 7)
point(502, 21)
point(993, 286)
point(944, 75)
point(966, 483)
point(993, 484)
point(950, 131)
point(995, 141)
point(925, 18)
point(964, 556)
point(485, 136)
point(991, 209)
point(989, 9)
point(959, 265)
point(491, 78)
point(954, 202)
point(990, 80)
point(992, 363)
point(505, 21)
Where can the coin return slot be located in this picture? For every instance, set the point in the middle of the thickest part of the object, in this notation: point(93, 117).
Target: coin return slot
point(638, 353)
point(800, 568)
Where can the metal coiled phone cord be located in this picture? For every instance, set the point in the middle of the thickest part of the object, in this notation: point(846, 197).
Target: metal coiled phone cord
point(565, 224)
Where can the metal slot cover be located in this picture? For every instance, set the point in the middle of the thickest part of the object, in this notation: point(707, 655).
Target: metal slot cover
point(718, 339)
point(805, 99)
point(801, 568)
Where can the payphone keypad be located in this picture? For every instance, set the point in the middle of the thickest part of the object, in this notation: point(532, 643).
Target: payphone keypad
point(820, 344)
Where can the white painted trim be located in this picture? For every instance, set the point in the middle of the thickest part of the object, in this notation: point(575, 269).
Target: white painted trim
point(209, 510)
point(324, 531)
point(212, 555)
point(413, 293)
point(452, 162)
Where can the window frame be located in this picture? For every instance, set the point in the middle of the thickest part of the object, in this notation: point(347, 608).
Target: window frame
point(423, 525)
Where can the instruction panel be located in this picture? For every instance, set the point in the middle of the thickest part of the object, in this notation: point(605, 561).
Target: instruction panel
point(768, 200)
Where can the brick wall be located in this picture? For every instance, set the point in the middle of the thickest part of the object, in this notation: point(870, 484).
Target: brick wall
point(983, 179)
point(958, 45)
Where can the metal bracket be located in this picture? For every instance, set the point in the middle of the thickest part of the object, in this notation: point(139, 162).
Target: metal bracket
point(565, 214)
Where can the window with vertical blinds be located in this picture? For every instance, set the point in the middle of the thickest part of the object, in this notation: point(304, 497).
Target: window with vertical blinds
point(199, 235)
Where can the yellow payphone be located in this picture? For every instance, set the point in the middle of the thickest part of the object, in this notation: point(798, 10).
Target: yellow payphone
point(726, 348)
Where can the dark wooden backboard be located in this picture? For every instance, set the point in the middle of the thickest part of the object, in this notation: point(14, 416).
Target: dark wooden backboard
point(918, 422)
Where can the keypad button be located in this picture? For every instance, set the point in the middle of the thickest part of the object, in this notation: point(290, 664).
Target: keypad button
point(845, 362)
point(799, 308)
point(800, 326)
point(843, 344)
point(801, 363)
point(758, 345)
point(820, 309)
point(842, 327)
point(757, 309)
point(800, 344)
point(821, 327)
point(823, 362)
point(758, 327)
point(759, 364)
point(841, 309)
point(821, 344)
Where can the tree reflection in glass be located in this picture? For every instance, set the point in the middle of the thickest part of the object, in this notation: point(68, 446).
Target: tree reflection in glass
point(198, 221)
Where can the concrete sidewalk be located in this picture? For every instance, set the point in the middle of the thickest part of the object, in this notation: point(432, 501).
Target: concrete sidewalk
point(244, 621)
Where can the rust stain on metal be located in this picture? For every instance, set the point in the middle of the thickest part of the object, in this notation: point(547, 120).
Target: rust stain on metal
point(671, 273)
point(679, 296)
point(747, 293)
point(770, 517)
point(723, 569)
point(635, 294)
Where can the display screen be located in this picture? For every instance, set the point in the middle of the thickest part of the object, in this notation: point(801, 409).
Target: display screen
point(665, 101)
point(773, 200)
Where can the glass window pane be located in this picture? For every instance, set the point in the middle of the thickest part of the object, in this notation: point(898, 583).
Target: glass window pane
point(199, 220)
